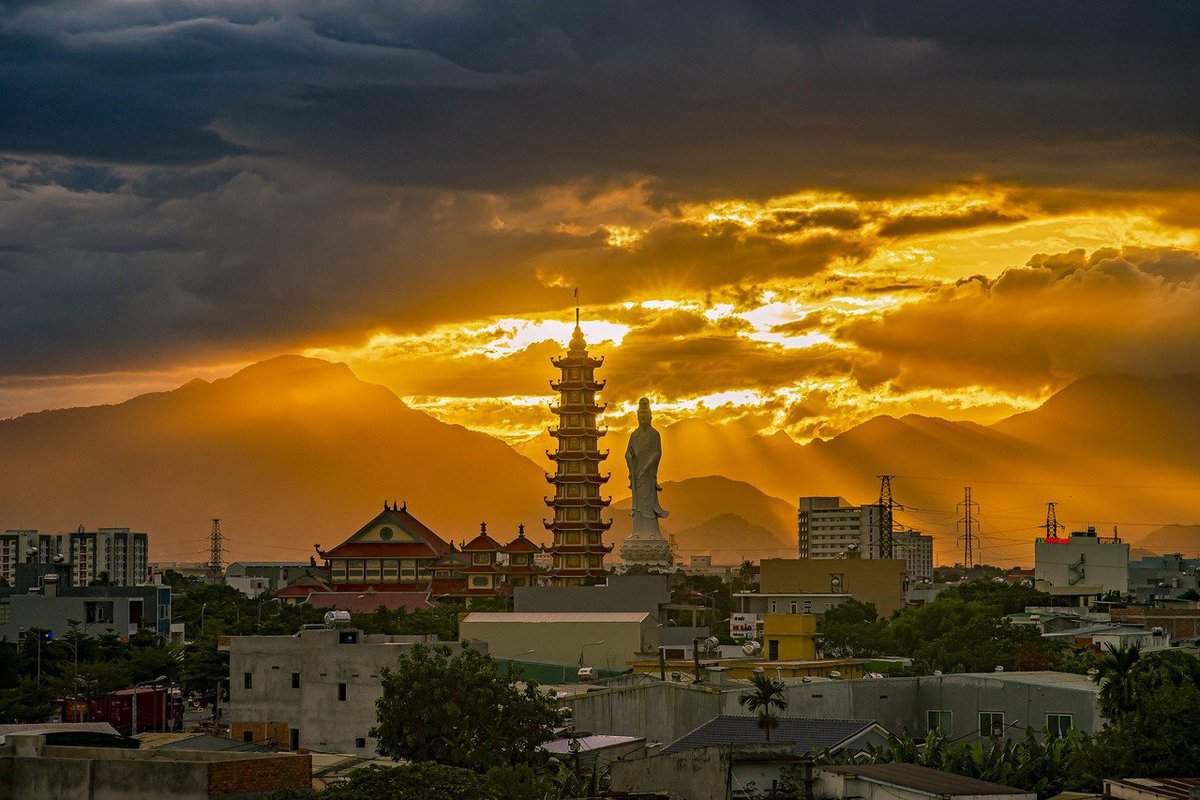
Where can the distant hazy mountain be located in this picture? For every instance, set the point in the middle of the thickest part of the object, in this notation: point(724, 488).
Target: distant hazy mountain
point(730, 539)
point(289, 452)
point(295, 451)
point(749, 519)
point(1090, 447)
point(1172, 539)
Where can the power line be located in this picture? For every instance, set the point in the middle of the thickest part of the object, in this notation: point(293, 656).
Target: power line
point(215, 563)
point(969, 522)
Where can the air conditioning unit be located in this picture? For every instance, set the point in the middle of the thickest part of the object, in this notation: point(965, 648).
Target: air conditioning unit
point(586, 673)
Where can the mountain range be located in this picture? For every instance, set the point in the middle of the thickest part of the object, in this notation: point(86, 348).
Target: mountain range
point(294, 451)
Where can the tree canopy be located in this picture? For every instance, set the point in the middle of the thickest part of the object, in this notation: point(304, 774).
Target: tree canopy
point(460, 710)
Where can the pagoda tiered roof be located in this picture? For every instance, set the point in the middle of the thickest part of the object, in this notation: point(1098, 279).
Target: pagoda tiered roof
point(576, 408)
point(577, 360)
point(577, 524)
point(482, 542)
point(408, 537)
point(590, 385)
point(521, 544)
point(578, 502)
point(577, 431)
point(584, 477)
point(576, 455)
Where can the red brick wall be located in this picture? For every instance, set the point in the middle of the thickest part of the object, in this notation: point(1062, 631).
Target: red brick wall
point(251, 775)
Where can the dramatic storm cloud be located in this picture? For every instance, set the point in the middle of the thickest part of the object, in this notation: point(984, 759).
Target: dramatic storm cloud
point(800, 212)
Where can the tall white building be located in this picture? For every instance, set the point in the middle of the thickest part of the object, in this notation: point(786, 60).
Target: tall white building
point(828, 526)
point(1084, 560)
point(116, 555)
point(916, 549)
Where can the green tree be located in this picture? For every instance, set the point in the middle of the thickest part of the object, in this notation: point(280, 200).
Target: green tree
point(1116, 678)
point(26, 702)
point(765, 695)
point(853, 630)
point(460, 710)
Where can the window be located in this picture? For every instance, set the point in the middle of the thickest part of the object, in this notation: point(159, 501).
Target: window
point(408, 569)
point(360, 742)
point(295, 680)
point(573, 562)
point(793, 607)
point(481, 558)
point(391, 570)
point(940, 721)
point(572, 538)
point(247, 736)
point(98, 612)
point(342, 692)
point(294, 738)
point(356, 570)
point(480, 581)
point(247, 680)
point(991, 723)
point(338, 571)
point(1059, 725)
point(373, 569)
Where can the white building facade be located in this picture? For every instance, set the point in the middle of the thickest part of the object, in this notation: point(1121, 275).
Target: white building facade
point(1084, 560)
point(829, 526)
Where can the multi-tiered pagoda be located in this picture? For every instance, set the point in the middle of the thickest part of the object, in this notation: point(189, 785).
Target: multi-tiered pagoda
point(578, 549)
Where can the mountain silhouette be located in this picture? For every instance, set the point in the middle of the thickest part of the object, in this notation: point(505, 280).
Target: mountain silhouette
point(294, 451)
point(288, 452)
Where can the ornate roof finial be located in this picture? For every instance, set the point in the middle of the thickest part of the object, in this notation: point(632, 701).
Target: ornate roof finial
point(521, 531)
point(385, 506)
point(577, 340)
point(404, 507)
point(483, 529)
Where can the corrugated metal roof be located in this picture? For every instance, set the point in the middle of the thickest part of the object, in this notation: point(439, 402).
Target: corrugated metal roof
point(549, 616)
point(589, 743)
point(925, 779)
point(1170, 788)
point(808, 735)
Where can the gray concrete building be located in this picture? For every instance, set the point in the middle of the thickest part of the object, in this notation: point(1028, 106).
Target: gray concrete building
point(45, 600)
point(619, 593)
point(963, 706)
point(32, 768)
point(315, 690)
point(253, 578)
point(116, 556)
point(916, 550)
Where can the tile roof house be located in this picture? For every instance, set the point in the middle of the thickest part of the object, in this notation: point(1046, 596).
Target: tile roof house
point(908, 782)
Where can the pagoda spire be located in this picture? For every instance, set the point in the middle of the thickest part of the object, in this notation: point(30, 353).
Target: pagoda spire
point(578, 548)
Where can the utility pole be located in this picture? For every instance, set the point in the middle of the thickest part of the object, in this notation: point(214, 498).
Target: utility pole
point(886, 508)
point(969, 523)
point(215, 540)
point(1053, 526)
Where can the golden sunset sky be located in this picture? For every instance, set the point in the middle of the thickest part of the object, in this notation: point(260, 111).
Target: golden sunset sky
point(795, 219)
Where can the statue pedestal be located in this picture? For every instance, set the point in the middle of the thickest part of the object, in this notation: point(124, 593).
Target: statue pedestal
point(648, 552)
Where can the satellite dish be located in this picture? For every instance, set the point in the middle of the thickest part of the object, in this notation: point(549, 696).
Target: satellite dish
point(752, 648)
point(585, 673)
point(833, 673)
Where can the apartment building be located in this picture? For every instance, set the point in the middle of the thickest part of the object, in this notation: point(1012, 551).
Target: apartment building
point(113, 556)
point(829, 526)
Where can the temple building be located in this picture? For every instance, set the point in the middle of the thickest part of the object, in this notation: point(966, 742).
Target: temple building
point(578, 548)
point(396, 553)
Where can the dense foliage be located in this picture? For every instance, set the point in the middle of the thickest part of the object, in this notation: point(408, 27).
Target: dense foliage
point(963, 629)
point(460, 710)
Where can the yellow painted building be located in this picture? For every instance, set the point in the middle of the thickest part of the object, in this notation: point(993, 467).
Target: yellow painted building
point(878, 581)
point(789, 637)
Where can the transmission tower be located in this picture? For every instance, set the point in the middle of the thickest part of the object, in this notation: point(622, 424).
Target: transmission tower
point(886, 508)
point(970, 526)
point(215, 561)
point(1053, 526)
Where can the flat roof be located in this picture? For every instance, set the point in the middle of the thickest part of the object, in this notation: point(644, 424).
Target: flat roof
point(556, 616)
point(589, 743)
point(1063, 680)
point(925, 779)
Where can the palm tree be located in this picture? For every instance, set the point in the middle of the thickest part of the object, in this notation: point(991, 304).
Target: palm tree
point(765, 695)
point(1116, 679)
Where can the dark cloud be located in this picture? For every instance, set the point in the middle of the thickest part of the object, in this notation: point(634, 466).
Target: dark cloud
point(184, 179)
point(1064, 315)
point(918, 224)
